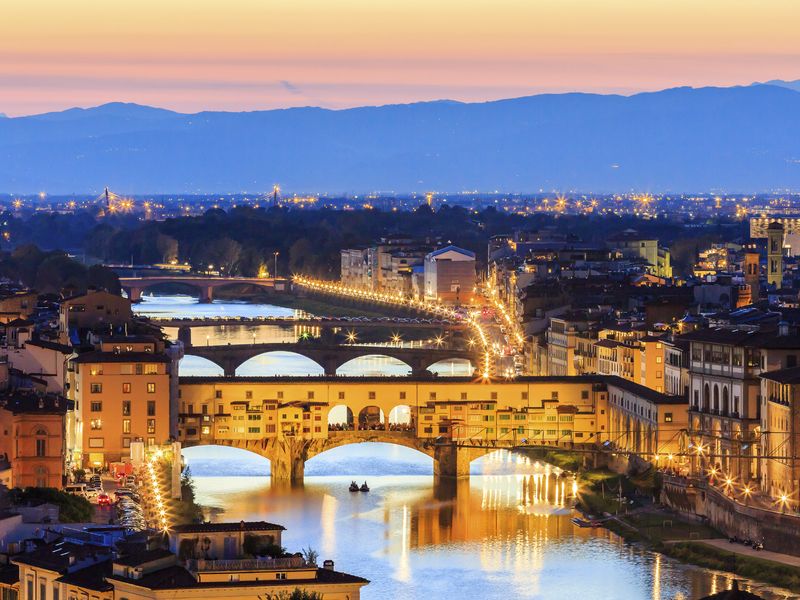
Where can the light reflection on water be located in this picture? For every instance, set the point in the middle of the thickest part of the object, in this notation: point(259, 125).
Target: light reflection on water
point(502, 534)
point(492, 536)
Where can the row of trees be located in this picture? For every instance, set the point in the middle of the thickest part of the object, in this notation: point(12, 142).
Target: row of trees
point(54, 271)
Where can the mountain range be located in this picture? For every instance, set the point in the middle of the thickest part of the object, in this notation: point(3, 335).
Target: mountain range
point(735, 139)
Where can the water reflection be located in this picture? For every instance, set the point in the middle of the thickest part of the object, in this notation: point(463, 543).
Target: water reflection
point(497, 535)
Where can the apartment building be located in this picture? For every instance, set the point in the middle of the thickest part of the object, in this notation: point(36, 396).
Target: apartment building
point(780, 434)
point(121, 393)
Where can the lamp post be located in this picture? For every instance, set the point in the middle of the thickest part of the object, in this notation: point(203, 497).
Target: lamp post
point(275, 272)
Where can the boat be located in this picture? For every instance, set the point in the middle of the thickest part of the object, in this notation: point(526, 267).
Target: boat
point(354, 487)
point(582, 523)
point(364, 487)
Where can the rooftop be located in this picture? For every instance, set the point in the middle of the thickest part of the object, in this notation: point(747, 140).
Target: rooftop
point(60, 556)
point(223, 527)
point(120, 357)
point(787, 376)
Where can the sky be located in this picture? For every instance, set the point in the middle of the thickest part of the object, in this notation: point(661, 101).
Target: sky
point(192, 55)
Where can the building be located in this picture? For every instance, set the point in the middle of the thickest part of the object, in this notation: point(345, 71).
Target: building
point(211, 561)
point(725, 394)
point(32, 437)
point(17, 304)
point(356, 268)
point(780, 434)
point(450, 275)
point(121, 393)
point(775, 254)
point(676, 368)
point(94, 309)
point(647, 423)
point(631, 245)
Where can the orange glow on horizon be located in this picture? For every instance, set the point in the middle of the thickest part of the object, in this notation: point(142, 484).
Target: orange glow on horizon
point(255, 54)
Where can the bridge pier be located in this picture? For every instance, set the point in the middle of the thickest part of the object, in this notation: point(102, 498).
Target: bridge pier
point(134, 294)
point(451, 461)
point(287, 463)
point(206, 294)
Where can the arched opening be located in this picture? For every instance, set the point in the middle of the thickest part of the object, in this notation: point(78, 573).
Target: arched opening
point(199, 366)
point(285, 364)
point(374, 365)
point(340, 418)
point(725, 401)
point(716, 398)
point(371, 418)
point(216, 461)
point(706, 398)
point(176, 289)
point(452, 367)
point(403, 418)
point(369, 459)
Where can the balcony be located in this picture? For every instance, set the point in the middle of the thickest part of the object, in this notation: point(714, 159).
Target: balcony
point(246, 564)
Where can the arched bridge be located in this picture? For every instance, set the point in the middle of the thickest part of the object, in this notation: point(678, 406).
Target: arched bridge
point(288, 454)
point(135, 286)
point(329, 357)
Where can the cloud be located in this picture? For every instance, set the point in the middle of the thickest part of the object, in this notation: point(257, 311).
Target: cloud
point(291, 88)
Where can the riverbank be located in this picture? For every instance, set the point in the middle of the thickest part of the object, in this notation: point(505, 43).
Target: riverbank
point(624, 506)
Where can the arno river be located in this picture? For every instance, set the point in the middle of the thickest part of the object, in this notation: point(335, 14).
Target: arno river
point(503, 534)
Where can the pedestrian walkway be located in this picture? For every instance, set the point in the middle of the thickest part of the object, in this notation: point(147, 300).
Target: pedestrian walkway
point(784, 559)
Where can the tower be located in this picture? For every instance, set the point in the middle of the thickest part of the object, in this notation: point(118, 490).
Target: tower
point(751, 274)
point(775, 254)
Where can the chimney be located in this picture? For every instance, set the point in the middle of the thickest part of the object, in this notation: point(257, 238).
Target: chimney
point(328, 564)
point(783, 329)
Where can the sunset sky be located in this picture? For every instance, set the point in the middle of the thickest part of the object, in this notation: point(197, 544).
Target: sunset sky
point(192, 55)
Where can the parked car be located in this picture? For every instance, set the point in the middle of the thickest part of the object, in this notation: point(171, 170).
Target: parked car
point(103, 500)
point(79, 489)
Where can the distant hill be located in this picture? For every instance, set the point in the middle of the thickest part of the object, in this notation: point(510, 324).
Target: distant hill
point(738, 139)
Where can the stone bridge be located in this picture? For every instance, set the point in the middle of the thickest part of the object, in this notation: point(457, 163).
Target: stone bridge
point(135, 286)
point(329, 357)
point(288, 454)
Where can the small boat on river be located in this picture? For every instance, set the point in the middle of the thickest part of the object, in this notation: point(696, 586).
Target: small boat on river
point(364, 487)
point(583, 523)
point(353, 487)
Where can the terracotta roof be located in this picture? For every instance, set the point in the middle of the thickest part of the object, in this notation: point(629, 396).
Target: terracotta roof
point(57, 556)
point(791, 375)
point(92, 578)
point(145, 556)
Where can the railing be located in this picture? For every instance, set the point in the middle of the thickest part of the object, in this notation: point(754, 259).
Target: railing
point(246, 564)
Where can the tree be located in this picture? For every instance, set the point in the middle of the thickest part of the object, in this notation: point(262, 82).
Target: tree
point(297, 594)
point(104, 278)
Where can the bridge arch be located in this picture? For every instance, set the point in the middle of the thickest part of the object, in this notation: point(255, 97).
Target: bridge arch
point(199, 366)
point(402, 415)
point(280, 362)
point(378, 364)
point(452, 367)
point(340, 416)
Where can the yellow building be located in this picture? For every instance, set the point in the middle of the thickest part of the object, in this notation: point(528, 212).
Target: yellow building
point(121, 393)
point(780, 434)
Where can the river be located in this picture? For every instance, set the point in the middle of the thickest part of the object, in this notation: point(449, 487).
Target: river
point(499, 535)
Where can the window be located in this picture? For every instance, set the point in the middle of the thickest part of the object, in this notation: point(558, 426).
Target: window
point(96, 388)
point(126, 425)
point(254, 430)
point(96, 442)
point(151, 408)
point(432, 396)
point(151, 441)
point(463, 395)
point(402, 395)
point(151, 388)
point(126, 408)
point(96, 369)
point(126, 388)
point(668, 417)
point(493, 396)
point(554, 395)
point(151, 369)
point(126, 442)
point(280, 395)
point(96, 424)
point(126, 369)
point(41, 448)
point(524, 395)
point(139, 369)
point(372, 395)
point(310, 395)
point(584, 394)
point(151, 425)
point(96, 406)
point(341, 395)
point(248, 395)
point(218, 394)
point(55, 591)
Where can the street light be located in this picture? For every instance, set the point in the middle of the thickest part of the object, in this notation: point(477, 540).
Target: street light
point(275, 254)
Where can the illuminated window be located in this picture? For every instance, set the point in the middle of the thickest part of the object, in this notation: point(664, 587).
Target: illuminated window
point(96, 424)
point(126, 425)
point(126, 388)
point(151, 388)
